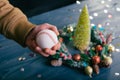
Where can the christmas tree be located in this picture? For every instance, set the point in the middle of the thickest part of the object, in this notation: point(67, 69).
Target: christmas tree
point(82, 32)
point(96, 56)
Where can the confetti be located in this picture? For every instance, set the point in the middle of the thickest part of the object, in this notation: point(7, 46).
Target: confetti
point(109, 0)
point(77, 2)
point(99, 25)
point(95, 14)
point(21, 58)
point(22, 69)
point(102, 2)
point(117, 50)
point(92, 24)
point(107, 6)
point(39, 75)
point(117, 74)
point(91, 17)
point(117, 9)
point(32, 54)
point(80, 10)
point(105, 11)
point(109, 16)
point(107, 23)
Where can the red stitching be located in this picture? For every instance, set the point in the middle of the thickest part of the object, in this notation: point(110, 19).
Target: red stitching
point(49, 36)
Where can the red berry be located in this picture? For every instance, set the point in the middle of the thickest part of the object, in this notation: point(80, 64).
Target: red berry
point(76, 57)
point(96, 59)
point(62, 54)
point(99, 48)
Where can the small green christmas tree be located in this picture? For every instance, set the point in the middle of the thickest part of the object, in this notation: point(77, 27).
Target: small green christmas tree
point(82, 32)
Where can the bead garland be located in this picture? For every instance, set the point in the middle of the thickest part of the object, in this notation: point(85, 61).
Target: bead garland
point(95, 57)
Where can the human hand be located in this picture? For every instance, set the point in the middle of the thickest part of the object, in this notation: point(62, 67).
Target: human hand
point(31, 40)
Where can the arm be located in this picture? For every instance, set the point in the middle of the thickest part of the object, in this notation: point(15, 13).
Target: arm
point(13, 23)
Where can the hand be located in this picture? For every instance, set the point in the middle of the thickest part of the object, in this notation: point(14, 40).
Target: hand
point(31, 42)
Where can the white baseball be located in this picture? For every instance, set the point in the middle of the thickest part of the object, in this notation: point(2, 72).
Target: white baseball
point(46, 39)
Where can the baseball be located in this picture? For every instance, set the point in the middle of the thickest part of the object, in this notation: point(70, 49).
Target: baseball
point(46, 39)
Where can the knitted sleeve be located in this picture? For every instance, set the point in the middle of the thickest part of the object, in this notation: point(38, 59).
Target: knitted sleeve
point(13, 23)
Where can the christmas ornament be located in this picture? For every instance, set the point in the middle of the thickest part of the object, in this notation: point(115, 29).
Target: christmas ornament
point(111, 48)
point(93, 45)
point(96, 59)
point(76, 57)
point(107, 61)
point(46, 39)
point(96, 55)
point(21, 58)
point(56, 63)
point(96, 69)
point(82, 32)
point(89, 71)
point(98, 48)
point(22, 69)
point(39, 76)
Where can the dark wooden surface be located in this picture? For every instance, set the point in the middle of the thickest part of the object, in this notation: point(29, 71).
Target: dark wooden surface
point(38, 68)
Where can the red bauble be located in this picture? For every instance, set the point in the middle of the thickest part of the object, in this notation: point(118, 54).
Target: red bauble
point(62, 54)
point(96, 59)
point(76, 57)
point(99, 48)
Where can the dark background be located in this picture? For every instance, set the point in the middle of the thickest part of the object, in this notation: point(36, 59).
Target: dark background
point(34, 7)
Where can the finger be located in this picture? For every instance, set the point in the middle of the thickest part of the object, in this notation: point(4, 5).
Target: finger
point(31, 45)
point(57, 46)
point(54, 28)
point(54, 47)
point(39, 50)
point(47, 50)
point(52, 52)
point(51, 27)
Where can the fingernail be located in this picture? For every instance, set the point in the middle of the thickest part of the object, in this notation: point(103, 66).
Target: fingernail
point(52, 52)
point(37, 48)
point(58, 33)
point(46, 50)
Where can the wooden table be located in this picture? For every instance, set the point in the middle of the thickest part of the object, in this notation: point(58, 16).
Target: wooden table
point(35, 67)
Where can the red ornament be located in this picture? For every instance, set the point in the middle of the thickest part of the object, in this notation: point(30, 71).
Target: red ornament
point(96, 59)
point(99, 48)
point(69, 56)
point(76, 57)
point(103, 42)
point(62, 54)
